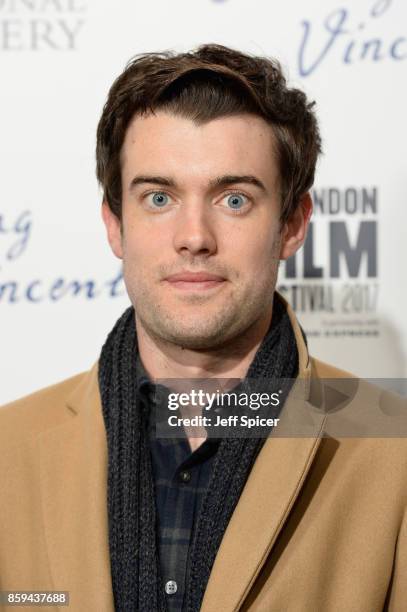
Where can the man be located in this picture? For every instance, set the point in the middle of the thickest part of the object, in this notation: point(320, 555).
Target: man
point(206, 160)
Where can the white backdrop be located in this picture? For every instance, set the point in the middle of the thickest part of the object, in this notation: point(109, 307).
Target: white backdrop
point(60, 290)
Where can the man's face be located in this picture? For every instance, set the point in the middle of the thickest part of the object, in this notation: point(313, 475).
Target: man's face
point(199, 199)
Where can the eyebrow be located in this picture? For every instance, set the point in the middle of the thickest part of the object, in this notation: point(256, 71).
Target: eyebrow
point(157, 180)
point(220, 181)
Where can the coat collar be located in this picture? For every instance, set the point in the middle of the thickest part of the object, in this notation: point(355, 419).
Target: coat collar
point(75, 514)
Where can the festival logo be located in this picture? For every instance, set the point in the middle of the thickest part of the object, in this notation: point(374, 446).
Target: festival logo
point(335, 275)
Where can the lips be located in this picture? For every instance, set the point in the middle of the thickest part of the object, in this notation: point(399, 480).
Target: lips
point(195, 281)
point(194, 277)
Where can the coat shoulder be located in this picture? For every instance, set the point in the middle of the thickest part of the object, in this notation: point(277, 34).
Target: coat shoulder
point(365, 418)
point(327, 370)
point(38, 410)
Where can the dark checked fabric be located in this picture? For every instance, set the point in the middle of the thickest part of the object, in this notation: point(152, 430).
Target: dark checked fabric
point(181, 478)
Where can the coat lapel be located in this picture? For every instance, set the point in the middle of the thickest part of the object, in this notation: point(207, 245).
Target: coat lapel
point(73, 460)
point(269, 494)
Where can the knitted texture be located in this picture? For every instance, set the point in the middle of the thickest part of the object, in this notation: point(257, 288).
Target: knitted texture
point(135, 565)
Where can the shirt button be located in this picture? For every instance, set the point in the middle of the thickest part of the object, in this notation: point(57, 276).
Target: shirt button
point(185, 476)
point(170, 587)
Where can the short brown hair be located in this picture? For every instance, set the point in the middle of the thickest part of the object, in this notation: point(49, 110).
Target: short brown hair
point(212, 81)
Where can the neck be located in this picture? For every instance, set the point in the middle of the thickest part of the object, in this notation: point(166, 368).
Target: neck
point(163, 359)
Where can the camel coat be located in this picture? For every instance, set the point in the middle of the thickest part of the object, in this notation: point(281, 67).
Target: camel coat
point(321, 525)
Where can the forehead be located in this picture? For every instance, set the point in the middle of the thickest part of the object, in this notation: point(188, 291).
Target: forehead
point(165, 143)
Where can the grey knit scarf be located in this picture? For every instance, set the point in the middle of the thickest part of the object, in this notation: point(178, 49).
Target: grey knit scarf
point(135, 565)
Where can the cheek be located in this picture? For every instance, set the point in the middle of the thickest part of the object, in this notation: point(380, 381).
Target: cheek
point(255, 251)
point(145, 249)
point(136, 240)
point(134, 248)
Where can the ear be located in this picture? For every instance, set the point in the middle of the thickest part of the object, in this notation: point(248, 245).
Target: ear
point(113, 228)
point(295, 229)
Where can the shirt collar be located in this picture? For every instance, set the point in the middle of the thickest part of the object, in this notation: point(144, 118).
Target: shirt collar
point(146, 387)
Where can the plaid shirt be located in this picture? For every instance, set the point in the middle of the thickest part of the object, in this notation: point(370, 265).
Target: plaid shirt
point(181, 479)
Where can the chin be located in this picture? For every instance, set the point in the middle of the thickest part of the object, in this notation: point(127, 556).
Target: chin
point(192, 328)
point(192, 338)
point(194, 335)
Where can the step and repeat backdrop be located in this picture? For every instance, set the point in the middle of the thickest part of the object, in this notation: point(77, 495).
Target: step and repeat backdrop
point(61, 288)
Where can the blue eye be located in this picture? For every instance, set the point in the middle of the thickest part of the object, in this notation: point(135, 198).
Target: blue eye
point(160, 199)
point(236, 201)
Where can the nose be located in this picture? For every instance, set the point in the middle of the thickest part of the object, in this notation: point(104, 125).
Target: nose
point(194, 232)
